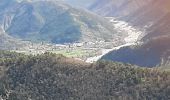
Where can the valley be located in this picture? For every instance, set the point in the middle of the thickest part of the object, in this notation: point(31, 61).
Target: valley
point(87, 33)
point(132, 34)
point(87, 51)
point(84, 49)
point(76, 50)
point(72, 32)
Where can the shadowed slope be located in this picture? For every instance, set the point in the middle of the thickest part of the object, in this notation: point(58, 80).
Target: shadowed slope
point(153, 53)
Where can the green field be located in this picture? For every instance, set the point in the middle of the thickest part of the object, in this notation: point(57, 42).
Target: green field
point(77, 53)
point(72, 53)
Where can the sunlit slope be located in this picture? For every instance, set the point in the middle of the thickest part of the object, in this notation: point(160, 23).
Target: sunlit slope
point(51, 77)
point(55, 22)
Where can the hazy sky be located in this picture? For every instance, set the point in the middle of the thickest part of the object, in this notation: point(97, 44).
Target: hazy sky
point(77, 3)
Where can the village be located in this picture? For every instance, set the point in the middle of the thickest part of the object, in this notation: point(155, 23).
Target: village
point(79, 50)
point(86, 51)
point(89, 51)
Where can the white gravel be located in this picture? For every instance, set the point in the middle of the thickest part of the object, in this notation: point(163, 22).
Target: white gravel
point(131, 39)
point(105, 51)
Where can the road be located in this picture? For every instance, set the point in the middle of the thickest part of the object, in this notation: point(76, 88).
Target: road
point(105, 51)
point(131, 39)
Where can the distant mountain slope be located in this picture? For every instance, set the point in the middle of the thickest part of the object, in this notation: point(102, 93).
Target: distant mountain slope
point(117, 8)
point(51, 77)
point(155, 52)
point(154, 18)
point(56, 22)
point(149, 15)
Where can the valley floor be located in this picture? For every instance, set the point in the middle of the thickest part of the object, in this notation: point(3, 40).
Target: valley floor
point(88, 51)
point(132, 37)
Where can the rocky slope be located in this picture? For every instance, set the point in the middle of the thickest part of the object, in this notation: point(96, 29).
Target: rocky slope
point(54, 21)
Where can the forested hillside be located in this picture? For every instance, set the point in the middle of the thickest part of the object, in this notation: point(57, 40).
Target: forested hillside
point(55, 77)
point(53, 21)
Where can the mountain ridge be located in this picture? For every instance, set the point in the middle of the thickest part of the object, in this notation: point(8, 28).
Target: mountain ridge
point(62, 22)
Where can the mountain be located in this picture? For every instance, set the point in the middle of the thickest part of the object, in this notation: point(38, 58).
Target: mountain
point(54, 21)
point(150, 54)
point(117, 8)
point(160, 27)
point(50, 77)
point(149, 15)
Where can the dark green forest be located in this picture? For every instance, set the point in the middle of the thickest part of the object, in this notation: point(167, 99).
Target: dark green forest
point(54, 77)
